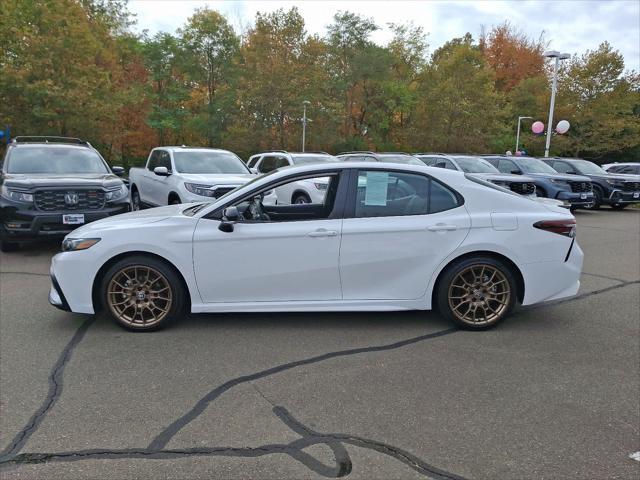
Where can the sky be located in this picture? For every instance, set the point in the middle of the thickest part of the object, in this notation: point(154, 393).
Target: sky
point(571, 26)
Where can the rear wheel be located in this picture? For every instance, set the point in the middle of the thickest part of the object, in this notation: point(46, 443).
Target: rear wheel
point(142, 293)
point(477, 293)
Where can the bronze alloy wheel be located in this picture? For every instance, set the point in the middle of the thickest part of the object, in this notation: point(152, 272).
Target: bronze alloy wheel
point(139, 296)
point(479, 295)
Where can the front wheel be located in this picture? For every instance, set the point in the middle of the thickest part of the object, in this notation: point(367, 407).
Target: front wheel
point(597, 200)
point(142, 293)
point(477, 293)
point(300, 198)
point(8, 246)
point(135, 201)
point(619, 206)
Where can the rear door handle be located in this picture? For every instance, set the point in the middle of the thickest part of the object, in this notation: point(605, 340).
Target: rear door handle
point(442, 227)
point(321, 232)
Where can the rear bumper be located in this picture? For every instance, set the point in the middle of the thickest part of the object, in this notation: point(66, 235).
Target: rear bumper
point(545, 281)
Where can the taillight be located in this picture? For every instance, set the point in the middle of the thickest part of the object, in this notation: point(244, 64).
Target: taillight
point(561, 227)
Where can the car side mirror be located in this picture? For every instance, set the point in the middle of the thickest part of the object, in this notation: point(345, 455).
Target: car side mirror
point(516, 172)
point(161, 171)
point(117, 170)
point(229, 217)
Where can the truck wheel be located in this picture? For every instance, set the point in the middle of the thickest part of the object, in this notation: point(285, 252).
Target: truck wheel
point(142, 293)
point(8, 246)
point(477, 293)
point(135, 200)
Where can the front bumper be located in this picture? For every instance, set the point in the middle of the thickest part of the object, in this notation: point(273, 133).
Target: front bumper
point(584, 199)
point(56, 297)
point(618, 197)
point(22, 222)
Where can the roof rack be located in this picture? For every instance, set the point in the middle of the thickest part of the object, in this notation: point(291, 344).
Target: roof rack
point(357, 151)
point(48, 139)
point(429, 153)
point(395, 153)
point(320, 152)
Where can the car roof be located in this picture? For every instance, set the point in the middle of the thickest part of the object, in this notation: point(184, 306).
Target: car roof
point(179, 148)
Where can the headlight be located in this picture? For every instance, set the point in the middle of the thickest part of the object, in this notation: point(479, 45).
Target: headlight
point(321, 186)
point(116, 193)
point(73, 244)
point(615, 182)
point(558, 182)
point(202, 190)
point(16, 195)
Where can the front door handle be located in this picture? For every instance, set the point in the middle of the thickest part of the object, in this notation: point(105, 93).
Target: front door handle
point(321, 232)
point(442, 227)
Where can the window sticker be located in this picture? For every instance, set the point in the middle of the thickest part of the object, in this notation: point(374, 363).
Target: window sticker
point(376, 188)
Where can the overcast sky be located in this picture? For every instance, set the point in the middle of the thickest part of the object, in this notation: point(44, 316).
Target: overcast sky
point(570, 26)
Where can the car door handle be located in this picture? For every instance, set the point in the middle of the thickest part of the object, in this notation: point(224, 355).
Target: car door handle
point(321, 232)
point(442, 227)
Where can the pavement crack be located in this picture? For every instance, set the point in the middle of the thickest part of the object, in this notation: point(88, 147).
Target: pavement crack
point(170, 431)
point(4, 272)
point(603, 276)
point(55, 390)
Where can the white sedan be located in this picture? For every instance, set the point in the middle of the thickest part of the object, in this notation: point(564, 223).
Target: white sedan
point(387, 237)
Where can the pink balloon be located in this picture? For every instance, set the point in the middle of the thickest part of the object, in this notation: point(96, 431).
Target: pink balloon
point(537, 127)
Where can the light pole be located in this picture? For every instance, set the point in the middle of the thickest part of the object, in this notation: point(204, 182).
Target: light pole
point(518, 134)
point(304, 121)
point(557, 56)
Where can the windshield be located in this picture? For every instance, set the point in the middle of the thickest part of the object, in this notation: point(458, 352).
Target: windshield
point(405, 159)
point(309, 159)
point(55, 160)
point(586, 167)
point(475, 165)
point(208, 161)
point(533, 165)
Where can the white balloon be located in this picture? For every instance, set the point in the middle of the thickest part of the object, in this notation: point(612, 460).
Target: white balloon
point(562, 127)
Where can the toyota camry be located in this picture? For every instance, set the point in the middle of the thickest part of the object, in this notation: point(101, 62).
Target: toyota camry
point(386, 237)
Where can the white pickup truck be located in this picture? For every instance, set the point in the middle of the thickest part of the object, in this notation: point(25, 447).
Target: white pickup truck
point(185, 174)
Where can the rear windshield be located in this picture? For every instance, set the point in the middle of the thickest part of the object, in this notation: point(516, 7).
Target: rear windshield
point(208, 162)
point(309, 159)
point(54, 160)
point(475, 165)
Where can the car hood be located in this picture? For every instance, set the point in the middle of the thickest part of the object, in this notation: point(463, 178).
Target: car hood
point(559, 176)
point(617, 176)
point(218, 178)
point(131, 219)
point(50, 180)
point(503, 177)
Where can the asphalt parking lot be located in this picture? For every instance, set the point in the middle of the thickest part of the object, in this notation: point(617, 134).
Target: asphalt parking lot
point(553, 392)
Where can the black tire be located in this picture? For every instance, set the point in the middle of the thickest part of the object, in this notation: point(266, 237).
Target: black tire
point(541, 192)
point(476, 295)
point(167, 277)
point(136, 204)
point(619, 206)
point(597, 199)
point(175, 200)
point(300, 198)
point(8, 246)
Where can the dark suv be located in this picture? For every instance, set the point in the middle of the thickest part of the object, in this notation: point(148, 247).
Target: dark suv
point(574, 190)
point(612, 189)
point(51, 185)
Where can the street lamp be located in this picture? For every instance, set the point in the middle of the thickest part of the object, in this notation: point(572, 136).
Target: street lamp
point(558, 56)
point(304, 121)
point(518, 134)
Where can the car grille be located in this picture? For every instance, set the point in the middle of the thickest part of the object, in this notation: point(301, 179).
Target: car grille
point(580, 187)
point(66, 200)
point(220, 191)
point(523, 188)
point(631, 186)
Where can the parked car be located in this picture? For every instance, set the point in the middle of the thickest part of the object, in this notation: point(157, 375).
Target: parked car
point(310, 190)
point(175, 175)
point(51, 185)
point(632, 168)
point(388, 157)
point(387, 237)
point(576, 191)
point(612, 189)
point(481, 168)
